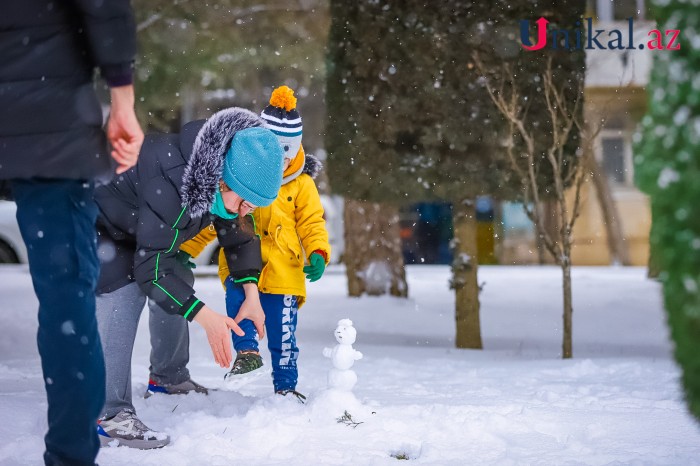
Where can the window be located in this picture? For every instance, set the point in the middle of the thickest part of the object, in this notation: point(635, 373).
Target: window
point(591, 9)
point(613, 154)
point(616, 10)
point(623, 9)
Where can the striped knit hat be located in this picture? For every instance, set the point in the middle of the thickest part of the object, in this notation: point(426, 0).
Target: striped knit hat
point(282, 119)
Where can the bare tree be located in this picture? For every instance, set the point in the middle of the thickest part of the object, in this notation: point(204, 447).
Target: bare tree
point(525, 144)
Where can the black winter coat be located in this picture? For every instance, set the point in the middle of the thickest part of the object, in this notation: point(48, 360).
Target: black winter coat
point(150, 210)
point(50, 118)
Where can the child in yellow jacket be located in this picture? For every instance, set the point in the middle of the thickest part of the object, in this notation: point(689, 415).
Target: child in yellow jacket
point(292, 229)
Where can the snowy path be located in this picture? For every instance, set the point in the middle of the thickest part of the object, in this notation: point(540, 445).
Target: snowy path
point(617, 402)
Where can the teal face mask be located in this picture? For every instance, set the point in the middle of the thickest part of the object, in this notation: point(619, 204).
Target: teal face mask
point(218, 208)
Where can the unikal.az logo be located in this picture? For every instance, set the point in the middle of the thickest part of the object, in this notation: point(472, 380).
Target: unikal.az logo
point(585, 37)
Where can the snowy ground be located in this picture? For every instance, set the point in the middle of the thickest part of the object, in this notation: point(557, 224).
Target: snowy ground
point(617, 402)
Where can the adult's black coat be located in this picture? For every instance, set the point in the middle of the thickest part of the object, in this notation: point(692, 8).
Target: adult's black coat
point(50, 118)
point(150, 210)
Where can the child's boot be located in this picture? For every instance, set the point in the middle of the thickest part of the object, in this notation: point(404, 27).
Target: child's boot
point(293, 393)
point(247, 367)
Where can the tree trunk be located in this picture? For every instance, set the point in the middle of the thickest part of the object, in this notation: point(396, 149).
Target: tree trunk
point(653, 265)
point(539, 240)
point(567, 343)
point(550, 213)
point(373, 257)
point(613, 227)
point(464, 276)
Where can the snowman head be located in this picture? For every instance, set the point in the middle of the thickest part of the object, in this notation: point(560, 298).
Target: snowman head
point(345, 333)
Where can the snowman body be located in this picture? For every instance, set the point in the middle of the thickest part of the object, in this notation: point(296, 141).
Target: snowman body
point(342, 379)
point(343, 356)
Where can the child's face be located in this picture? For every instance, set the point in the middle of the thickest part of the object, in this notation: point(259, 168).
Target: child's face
point(287, 162)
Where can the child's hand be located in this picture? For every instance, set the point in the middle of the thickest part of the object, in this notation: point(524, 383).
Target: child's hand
point(184, 259)
point(218, 328)
point(316, 267)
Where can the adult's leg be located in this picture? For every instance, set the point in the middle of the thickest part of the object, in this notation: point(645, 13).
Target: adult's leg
point(281, 324)
point(118, 315)
point(234, 298)
point(57, 221)
point(170, 340)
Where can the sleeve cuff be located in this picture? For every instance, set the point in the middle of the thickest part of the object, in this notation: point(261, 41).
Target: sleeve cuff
point(191, 308)
point(322, 254)
point(244, 280)
point(118, 75)
point(245, 276)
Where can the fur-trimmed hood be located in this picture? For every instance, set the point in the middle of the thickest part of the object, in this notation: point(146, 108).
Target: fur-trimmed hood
point(312, 167)
point(205, 166)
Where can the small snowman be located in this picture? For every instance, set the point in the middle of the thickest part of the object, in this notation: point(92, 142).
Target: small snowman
point(343, 356)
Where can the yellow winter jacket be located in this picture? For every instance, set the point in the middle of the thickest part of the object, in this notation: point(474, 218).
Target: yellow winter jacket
point(195, 246)
point(290, 229)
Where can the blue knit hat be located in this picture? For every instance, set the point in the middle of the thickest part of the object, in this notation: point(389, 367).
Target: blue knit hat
point(253, 166)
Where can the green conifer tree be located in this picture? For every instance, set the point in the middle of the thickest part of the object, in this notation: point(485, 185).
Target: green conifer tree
point(187, 48)
point(667, 167)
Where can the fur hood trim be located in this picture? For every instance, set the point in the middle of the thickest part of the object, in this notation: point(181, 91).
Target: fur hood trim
point(205, 166)
point(312, 167)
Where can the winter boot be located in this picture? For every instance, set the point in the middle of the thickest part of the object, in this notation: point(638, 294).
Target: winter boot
point(128, 430)
point(300, 398)
point(245, 363)
point(181, 388)
point(246, 368)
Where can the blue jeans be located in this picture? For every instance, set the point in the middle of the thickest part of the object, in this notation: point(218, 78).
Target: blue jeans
point(57, 221)
point(280, 326)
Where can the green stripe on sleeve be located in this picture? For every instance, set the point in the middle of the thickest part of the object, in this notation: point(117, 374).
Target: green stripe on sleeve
point(177, 233)
point(246, 279)
point(190, 309)
point(166, 292)
point(179, 216)
point(172, 245)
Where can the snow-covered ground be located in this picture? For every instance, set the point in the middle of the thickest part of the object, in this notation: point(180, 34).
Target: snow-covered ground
point(417, 397)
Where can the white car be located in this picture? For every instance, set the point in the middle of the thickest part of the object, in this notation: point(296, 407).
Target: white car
point(12, 249)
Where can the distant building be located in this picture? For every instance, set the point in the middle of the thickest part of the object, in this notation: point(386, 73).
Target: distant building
point(614, 91)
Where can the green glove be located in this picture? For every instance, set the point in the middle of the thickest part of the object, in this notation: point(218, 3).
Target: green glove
point(316, 267)
point(183, 258)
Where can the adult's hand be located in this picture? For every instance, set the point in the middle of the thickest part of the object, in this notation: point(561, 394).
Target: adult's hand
point(252, 309)
point(123, 129)
point(218, 328)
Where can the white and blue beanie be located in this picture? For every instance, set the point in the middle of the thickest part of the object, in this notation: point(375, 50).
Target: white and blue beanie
point(253, 166)
point(282, 118)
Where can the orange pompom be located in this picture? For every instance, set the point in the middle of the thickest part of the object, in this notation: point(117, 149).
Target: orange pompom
point(283, 97)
